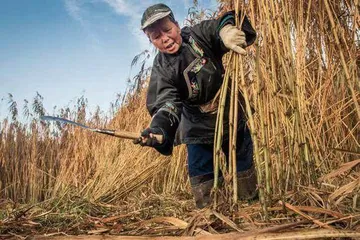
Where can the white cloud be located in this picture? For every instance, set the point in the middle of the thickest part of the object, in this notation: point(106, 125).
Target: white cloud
point(122, 7)
point(131, 9)
point(134, 10)
point(75, 8)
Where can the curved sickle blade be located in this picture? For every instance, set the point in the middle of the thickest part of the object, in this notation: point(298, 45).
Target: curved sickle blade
point(117, 133)
point(51, 118)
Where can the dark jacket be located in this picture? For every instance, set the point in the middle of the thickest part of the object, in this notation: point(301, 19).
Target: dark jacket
point(181, 82)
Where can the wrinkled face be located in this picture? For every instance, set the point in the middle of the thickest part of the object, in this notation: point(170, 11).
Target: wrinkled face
point(165, 35)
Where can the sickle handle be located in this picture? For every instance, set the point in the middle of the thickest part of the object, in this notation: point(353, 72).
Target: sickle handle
point(126, 134)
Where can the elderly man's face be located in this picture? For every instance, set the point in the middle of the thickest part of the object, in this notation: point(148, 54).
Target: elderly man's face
point(165, 35)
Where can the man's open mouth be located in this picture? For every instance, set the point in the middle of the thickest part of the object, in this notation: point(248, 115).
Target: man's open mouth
point(170, 45)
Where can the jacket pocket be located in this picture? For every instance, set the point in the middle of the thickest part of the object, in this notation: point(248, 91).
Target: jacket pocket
point(191, 79)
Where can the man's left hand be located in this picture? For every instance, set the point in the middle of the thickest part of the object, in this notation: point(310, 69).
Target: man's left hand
point(233, 38)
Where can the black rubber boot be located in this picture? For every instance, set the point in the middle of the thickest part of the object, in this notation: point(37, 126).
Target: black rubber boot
point(201, 193)
point(247, 181)
point(201, 188)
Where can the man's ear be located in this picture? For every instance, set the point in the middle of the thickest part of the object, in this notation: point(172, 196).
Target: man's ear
point(149, 39)
point(147, 35)
point(178, 26)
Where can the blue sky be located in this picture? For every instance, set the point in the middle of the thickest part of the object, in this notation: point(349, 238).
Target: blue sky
point(67, 48)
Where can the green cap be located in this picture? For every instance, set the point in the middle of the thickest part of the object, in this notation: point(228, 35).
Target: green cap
point(155, 13)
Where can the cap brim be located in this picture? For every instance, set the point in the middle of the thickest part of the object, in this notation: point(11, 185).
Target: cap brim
point(154, 18)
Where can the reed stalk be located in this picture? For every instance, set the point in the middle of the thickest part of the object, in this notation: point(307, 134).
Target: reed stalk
point(219, 129)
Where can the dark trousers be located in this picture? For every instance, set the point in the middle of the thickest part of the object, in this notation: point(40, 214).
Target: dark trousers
point(200, 156)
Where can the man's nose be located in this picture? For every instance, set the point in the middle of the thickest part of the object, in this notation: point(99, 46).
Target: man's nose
point(164, 38)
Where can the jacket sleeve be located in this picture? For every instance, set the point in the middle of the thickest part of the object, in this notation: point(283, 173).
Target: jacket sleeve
point(208, 31)
point(164, 105)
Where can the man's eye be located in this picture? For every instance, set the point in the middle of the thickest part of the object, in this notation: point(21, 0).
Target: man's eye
point(156, 36)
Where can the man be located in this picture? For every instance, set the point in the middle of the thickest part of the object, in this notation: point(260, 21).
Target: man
point(187, 74)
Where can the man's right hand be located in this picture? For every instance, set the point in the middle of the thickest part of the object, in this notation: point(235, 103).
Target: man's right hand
point(151, 137)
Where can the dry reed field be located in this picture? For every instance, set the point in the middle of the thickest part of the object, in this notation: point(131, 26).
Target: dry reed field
point(301, 77)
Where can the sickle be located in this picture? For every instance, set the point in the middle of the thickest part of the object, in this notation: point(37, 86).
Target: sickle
point(115, 133)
